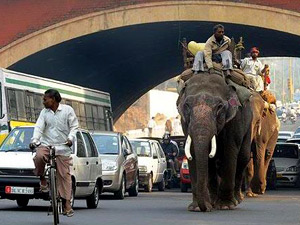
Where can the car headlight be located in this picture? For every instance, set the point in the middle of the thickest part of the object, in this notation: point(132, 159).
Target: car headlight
point(109, 166)
point(292, 169)
point(185, 164)
point(143, 168)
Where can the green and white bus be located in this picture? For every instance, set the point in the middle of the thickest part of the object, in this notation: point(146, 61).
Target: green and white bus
point(21, 101)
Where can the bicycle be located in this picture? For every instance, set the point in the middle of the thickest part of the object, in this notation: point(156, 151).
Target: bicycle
point(50, 175)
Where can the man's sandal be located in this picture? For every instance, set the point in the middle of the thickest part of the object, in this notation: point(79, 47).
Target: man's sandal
point(44, 188)
point(69, 213)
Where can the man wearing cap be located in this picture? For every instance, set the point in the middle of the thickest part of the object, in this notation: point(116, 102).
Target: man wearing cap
point(253, 67)
point(217, 50)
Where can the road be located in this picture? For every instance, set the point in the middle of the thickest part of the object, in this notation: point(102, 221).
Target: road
point(281, 206)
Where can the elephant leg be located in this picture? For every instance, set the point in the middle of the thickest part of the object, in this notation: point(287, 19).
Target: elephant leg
point(226, 191)
point(268, 156)
point(242, 162)
point(193, 176)
point(258, 181)
point(249, 172)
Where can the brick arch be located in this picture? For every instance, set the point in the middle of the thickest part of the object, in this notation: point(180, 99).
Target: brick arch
point(111, 17)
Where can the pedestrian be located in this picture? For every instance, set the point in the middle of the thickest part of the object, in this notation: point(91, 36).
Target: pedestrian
point(176, 126)
point(151, 125)
point(168, 126)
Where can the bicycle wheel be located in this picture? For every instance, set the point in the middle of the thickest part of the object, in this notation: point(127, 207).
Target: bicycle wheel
point(54, 196)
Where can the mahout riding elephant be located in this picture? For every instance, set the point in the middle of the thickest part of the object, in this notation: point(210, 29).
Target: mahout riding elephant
point(218, 130)
point(263, 147)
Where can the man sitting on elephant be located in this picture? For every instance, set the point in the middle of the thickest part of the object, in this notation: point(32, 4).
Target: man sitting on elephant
point(216, 49)
point(253, 67)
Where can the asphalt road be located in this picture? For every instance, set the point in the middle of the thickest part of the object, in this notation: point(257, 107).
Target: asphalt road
point(281, 206)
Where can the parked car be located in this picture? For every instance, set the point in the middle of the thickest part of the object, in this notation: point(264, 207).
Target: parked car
point(286, 157)
point(18, 182)
point(119, 164)
point(282, 139)
point(287, 134)
point(185, 180)
point(152, 163)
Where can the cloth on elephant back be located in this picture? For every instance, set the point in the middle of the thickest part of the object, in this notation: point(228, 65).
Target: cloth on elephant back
point(243, 93)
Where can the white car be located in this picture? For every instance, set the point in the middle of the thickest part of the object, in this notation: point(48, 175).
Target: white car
point(286, 158)
point(18, 182)
point(287, 134)
point(152, 163)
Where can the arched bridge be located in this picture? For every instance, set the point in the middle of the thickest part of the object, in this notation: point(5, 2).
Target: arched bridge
point(128, 47)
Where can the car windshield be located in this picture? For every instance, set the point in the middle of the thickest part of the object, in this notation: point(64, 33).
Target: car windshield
point(107, 144)
point(281, 140)
point(142, 148)
point(286, 151)
point(18, 140)
point(296, 136)
point(285, 134)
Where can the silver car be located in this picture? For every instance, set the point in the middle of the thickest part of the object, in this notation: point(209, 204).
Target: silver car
point(286, 158)
point(119, 164)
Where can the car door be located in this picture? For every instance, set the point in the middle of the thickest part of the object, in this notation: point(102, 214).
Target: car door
point(155, 162)
point(128, 162)
point(92, 156)
point(162, 161)
point(81, 167)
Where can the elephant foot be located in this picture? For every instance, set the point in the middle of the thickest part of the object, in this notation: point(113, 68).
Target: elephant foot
point(239, 197)
point(193, 207)
point(226, 204)
point(250, 194)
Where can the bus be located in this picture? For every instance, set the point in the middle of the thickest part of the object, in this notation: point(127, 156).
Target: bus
point(21, 101)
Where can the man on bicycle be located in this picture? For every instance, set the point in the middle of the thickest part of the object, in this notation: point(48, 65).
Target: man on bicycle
point(57, 126)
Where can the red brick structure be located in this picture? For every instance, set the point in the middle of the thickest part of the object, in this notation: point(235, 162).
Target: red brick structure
point(22, 17)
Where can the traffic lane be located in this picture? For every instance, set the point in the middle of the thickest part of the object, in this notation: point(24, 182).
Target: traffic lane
point(169, 207)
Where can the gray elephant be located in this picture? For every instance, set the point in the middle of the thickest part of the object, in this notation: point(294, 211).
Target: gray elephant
point(218, 130)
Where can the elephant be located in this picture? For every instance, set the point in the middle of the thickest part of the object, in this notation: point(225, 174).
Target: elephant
point(218, 130)
point(263, 146)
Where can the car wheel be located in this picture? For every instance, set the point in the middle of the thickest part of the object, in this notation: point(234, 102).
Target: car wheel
point(22, 202)
point(73, 195)
point(149, 186)
point(93, 200)
point(120, 194)
point(134, 190)
point(162, 184)
point(183, 187)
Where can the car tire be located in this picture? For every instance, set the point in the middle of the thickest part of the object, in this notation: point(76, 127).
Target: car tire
point(183, 187)
point(162, 184)
point(149, 186)
point(120, 194)
point(93, 200)
point(22, 202)
point(134, 190)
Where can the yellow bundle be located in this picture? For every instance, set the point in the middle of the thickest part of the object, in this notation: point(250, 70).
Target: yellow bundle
point(194, 47)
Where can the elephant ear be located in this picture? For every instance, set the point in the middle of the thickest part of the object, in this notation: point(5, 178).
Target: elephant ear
point(233, 104)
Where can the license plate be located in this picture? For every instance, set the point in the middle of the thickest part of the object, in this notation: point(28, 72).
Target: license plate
point(19, 190)
point(279, 175)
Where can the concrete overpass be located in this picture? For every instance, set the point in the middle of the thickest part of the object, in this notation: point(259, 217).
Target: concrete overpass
point(128, 47)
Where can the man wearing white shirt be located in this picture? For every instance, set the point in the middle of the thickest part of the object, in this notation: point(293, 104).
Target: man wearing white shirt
point(253, 67)
point(151, 125)
point(57, 126)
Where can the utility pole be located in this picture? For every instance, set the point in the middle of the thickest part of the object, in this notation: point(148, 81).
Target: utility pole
point(290, 82)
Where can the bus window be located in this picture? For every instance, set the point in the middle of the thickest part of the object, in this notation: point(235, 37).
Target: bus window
point(12, 104)
point(38, 104)
point(75, 106)
point(89, 116)
point(96, 120)
point(30, 115)
point(82, 118)
point(1, 110)
point(21, 105)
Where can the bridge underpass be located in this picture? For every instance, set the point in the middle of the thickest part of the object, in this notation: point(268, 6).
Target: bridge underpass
point(128, 61)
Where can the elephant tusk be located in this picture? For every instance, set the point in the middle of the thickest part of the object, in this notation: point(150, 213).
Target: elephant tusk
point(187, 148)
point(213, 147)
